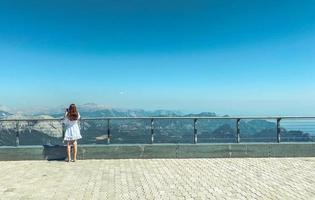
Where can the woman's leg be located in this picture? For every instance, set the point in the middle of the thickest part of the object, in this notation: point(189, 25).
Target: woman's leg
point(75, 149)
point(68, 151)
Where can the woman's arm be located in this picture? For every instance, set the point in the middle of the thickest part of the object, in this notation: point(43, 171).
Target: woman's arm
point(65, 115)
point(64, 120)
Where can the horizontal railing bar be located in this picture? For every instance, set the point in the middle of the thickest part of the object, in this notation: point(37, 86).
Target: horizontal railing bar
point(135, 118)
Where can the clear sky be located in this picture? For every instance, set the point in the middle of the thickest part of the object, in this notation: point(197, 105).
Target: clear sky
point(228, 56)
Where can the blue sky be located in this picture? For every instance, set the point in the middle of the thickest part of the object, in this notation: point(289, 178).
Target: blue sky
point(232, 57)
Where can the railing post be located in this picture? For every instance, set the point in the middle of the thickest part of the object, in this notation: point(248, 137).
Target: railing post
point(152, 131)
point(195, 132)
point(63, 129)
point(108, 131)
point(81, 124)
point(278, 130)
point(238, 130)
point(17, 139)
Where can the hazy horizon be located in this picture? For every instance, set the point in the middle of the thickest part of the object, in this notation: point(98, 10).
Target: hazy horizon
point(220, 112)
point(229, 57)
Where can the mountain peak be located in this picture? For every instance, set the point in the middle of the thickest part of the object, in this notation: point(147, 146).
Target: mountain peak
point(202, 114)
point(4, 114)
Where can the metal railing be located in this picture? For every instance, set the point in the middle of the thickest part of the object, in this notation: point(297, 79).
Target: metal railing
point(282, 125)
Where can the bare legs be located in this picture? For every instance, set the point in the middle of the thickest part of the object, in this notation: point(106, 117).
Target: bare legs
point(69, 150)
point(75, 149)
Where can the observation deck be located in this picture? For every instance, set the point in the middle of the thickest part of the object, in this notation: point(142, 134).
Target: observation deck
point(160, 158)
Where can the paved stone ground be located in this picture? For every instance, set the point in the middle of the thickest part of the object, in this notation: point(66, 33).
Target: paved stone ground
point(250, 178)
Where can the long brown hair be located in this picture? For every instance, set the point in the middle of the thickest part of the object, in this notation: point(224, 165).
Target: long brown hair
point(73, 113)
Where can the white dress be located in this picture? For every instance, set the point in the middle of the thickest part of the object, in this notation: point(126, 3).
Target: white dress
point(72, 129)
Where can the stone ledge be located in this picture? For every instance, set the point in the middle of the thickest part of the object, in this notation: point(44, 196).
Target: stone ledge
point(146, 151)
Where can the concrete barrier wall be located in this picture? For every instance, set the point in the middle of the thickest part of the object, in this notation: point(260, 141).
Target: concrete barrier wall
point(242, 150)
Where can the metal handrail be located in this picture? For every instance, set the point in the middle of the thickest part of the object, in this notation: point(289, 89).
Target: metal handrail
point(238, 119)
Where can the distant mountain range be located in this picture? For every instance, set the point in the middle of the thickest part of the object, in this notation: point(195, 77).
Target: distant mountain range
point(125, 113)
point(95, 110)
point(92, 110)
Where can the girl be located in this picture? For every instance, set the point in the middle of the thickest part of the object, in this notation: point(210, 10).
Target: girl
point(72, 133)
